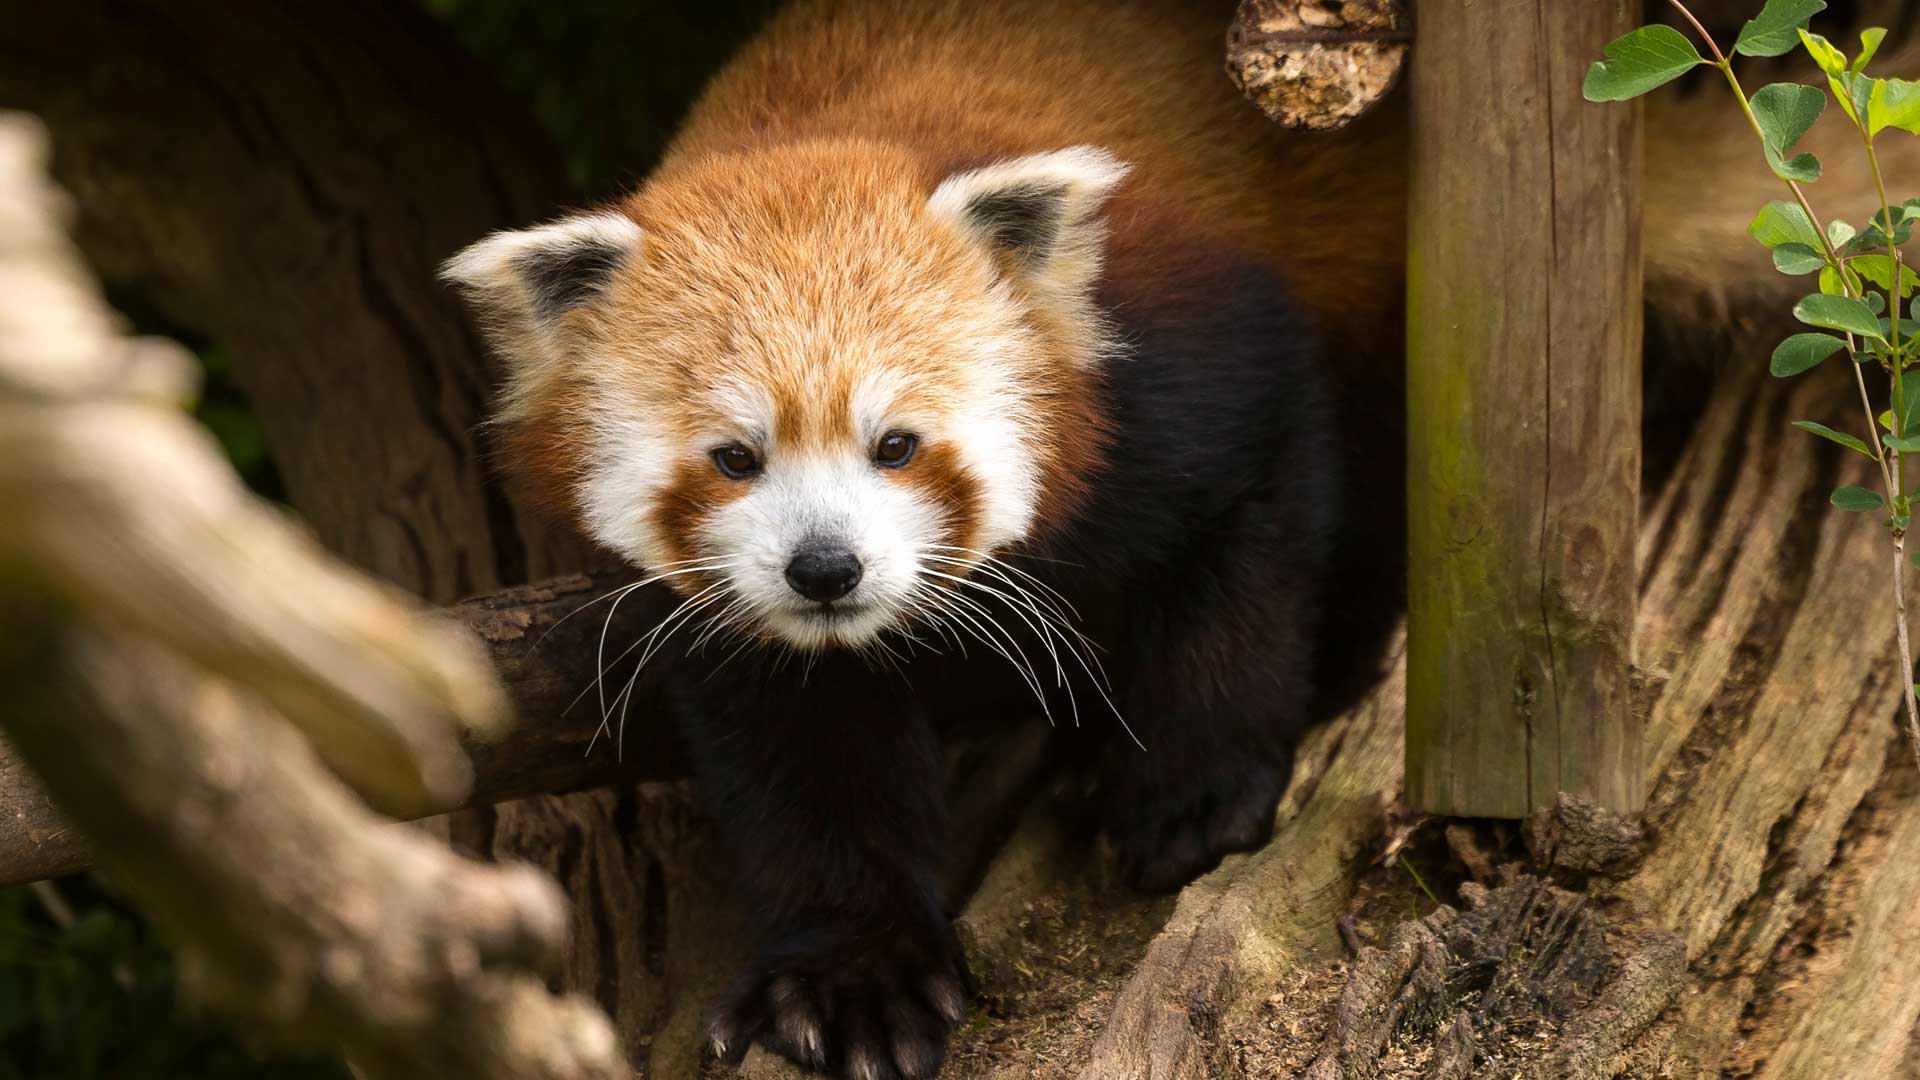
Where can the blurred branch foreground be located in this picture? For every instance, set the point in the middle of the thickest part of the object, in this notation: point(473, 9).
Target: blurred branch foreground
point(209, 698)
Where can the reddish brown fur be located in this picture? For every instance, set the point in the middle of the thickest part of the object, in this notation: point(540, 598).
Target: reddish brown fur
point(945, 480)
point(849, 112)
point(961, 82)
point(695, 492)
point(801, 179)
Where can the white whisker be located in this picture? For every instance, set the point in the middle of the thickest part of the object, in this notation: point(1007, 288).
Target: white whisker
point(1049, 621)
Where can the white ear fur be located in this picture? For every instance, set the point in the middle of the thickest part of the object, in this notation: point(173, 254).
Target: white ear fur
point(521, 283)
point(1041, 211)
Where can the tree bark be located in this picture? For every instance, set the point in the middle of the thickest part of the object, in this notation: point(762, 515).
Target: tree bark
point(1318, 67)
point(1523, 435)
point(281, 185)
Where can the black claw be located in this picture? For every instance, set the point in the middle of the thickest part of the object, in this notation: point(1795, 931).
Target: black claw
point(862, 1018)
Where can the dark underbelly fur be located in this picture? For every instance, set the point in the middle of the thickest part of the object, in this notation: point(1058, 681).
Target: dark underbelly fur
point(1238, 566)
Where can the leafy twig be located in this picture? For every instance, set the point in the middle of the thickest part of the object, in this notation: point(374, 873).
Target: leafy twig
point(1654, 55)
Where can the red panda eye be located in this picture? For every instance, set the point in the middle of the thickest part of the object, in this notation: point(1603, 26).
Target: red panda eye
point(895, 449)
point(736, 461)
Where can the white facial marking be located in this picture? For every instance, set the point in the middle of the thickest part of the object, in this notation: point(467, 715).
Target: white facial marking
point(982, 413)
point(989, 426)
point(835, 495)
point(628, 469)
point(838, 497)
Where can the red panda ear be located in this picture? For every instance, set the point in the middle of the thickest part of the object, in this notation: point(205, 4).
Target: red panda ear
point(520, 285)
point(1040, 214)
point(549, 269)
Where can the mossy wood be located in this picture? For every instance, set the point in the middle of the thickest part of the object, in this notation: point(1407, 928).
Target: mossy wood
point(1523, 404)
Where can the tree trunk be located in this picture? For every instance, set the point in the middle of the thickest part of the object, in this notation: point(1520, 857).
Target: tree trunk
point(281, 184)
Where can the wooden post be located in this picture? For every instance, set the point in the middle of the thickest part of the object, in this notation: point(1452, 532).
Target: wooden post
point(1524, 412)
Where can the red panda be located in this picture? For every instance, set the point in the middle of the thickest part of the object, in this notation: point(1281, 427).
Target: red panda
point(978, 352)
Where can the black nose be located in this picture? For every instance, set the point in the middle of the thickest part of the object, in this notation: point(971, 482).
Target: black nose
point(824, 572)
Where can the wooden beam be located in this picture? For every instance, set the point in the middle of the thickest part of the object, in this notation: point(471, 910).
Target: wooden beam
point(1523, 390)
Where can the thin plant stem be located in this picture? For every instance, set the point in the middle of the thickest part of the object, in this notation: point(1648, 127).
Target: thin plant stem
point(1906, 646)
point(1896, 362)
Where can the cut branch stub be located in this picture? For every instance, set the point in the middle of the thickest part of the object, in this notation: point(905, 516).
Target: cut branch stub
point(1317, 65)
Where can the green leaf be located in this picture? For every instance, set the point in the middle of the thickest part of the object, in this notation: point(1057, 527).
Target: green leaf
point(1785, 111)
point(1860, 90)
point(1906, 444)
point(1772, 32)
point(1832, 285)
point(1894, 103)
point(1910, 403)
point(1875, 238)
point(1838, 233)
point(1802, 351)
point(1889, 219)
point(1856, 498)
point(1914, 558)
point(1842, 313)
point(1831, 60)
point(1637, 62)
point(1831, 435)
point(1797, 259)
point(1879, 270)
point(1783, 223)
point(1834, 63)
point(1804, 168)
point(1909, 330)
point(1869, 44)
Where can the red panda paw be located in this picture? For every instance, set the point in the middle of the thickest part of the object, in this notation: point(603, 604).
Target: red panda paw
point(884, 1017)
point(1166, 839)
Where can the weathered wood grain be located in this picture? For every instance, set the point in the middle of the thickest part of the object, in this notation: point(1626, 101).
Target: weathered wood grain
point(1523, 391)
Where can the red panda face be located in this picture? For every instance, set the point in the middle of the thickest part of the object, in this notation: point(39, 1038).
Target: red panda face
point(811, 387)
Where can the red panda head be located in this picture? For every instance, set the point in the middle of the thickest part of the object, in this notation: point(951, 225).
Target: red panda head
point(808, 382)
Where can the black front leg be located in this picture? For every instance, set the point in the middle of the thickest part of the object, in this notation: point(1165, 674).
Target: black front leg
point(1221, 658)
point(825, 781)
